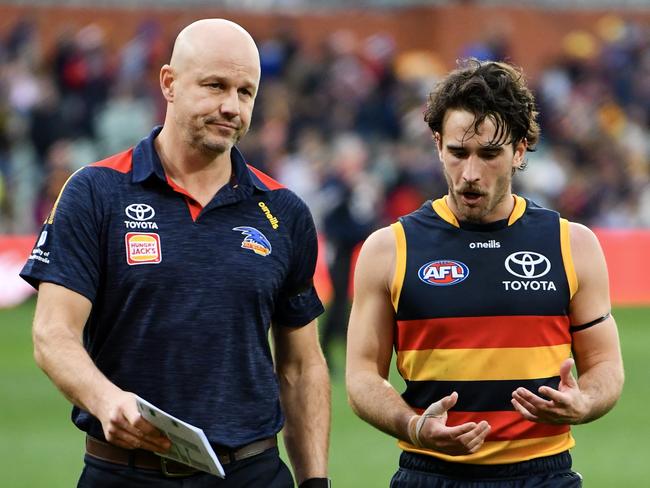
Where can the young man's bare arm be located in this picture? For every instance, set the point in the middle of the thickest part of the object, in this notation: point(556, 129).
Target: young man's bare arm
point(596, 349)
point(369, 352)
point(370, 340)
point(305, 395)
point(61, 315)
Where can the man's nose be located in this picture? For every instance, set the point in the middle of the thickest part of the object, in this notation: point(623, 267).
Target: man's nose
point(230, 103)
point(472, 169)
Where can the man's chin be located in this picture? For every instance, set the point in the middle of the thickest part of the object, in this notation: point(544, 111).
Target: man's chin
point(474, 215)
point(217, 147)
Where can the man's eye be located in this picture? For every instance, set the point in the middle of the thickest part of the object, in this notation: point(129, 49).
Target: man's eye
point(490, 155)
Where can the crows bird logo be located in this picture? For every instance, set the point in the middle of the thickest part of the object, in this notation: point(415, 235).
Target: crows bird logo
point(254, 240)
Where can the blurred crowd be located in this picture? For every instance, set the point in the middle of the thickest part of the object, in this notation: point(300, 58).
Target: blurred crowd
point(342, 127)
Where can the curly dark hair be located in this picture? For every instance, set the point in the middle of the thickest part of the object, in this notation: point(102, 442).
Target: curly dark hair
point(488, 89)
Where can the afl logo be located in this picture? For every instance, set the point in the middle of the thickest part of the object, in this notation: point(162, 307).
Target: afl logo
point(140, 211)
point(443, 272)
point(527, 264)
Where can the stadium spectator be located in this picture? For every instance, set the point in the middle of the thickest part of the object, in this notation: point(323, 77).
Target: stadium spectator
point(488, 300)
point(161, 271)
point(351, 199)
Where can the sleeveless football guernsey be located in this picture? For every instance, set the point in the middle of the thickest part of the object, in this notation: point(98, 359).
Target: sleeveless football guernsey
point(482, 310)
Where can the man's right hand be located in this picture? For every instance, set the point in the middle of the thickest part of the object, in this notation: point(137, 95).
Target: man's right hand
point(125, 427)
point(430, 430)
point(59, 321)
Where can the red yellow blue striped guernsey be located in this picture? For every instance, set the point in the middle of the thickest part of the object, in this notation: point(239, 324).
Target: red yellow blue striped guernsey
point(482, 310)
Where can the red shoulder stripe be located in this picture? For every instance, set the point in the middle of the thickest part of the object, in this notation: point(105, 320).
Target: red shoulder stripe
point(266, 179)
point(122, 162)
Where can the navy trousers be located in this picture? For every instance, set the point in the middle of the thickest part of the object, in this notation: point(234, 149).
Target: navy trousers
point(419, 471)
point(265, 470)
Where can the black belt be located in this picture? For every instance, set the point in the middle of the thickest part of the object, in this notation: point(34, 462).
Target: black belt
point(144, 459)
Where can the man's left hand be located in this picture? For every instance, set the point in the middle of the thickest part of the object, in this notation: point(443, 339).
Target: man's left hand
point(566, 405)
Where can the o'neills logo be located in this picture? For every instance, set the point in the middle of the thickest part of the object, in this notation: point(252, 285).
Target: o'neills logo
point(275, 223)
point(142, 248)
point(491, 244)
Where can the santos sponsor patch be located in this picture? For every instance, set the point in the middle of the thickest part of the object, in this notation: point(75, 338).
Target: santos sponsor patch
point(142, 248)
point(443, 272)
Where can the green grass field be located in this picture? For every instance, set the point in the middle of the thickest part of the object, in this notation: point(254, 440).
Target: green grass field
point(39, 447)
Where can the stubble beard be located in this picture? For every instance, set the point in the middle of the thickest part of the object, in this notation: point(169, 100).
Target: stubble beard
point(478, 214)
point(207, 143)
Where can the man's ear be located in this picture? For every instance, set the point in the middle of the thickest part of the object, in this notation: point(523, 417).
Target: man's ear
point(520, 154)
point(167, 78)
point(437, 137)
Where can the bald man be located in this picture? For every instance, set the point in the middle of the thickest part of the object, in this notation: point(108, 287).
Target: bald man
point(161, 271)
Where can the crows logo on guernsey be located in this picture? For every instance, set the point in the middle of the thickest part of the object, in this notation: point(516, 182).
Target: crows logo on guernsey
point(255, 241)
